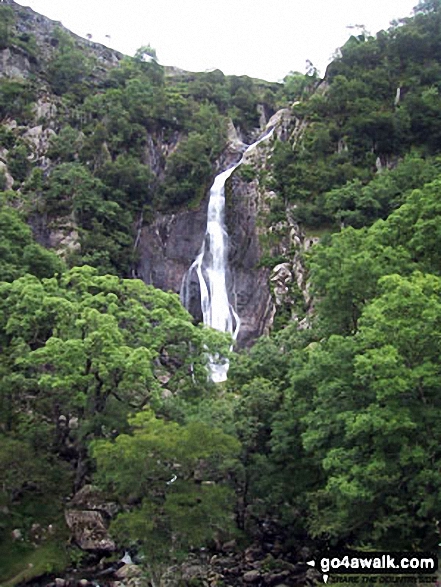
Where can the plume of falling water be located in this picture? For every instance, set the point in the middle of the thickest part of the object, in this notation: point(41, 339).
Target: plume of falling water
point(211, 267)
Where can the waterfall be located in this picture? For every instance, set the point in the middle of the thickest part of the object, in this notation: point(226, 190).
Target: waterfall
point(211, 266)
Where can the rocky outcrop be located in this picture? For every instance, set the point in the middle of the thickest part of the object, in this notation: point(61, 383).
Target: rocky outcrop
point(281, 122)
point(91, 498)
point(16, 62)
point(289, 280)
point(250, 281)
point(38, 138)
point(59, 234)
point(86, 519)
point(88, 530)
point(170, 243)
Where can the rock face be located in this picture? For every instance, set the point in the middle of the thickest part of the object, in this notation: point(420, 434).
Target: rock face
point(170, 243)
point(86, 519)
point(88, 530)
point(16, 63)
point(250, 281)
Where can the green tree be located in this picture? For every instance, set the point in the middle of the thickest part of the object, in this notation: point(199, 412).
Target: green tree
point(7, 20)
point(359, 205)
point(69, 66)
point(18, 162)
point(129, 182)
point(19, 253)
point(188, 171)
point(66, 145)
point(345, 272)
point(374, 425)
point(92, 347)
point(178, 485)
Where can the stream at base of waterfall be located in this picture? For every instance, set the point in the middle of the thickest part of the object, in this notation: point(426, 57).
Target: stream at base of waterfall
point(211, 268)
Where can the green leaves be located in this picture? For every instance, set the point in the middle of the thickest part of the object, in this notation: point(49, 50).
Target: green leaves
point(354, 446)
point(69, 67)
point(372, 422)
point(83, 342)
point(175, 471)
point(19, 254)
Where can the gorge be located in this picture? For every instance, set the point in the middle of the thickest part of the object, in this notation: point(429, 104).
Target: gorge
point(121, 463)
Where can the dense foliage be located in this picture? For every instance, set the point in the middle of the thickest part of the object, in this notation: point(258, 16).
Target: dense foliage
point(323, 436)
point(348, 454)
point(379, 101)
point(131, 138)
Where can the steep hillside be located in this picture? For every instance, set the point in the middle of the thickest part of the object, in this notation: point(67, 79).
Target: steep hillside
point(120, 463)
point(110, 158)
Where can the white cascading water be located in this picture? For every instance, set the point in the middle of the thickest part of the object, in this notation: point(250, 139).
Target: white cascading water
point(211, 269)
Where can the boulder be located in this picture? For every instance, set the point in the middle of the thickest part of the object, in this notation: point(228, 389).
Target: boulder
point(9, 180)
point(128, 571)
point(193, 572)
point(39, 139)
point(90, 497)
point(275, 579)
point(88, 530)
point(252, 576)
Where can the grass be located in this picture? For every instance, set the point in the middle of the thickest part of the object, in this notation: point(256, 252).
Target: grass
point(20, 563)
